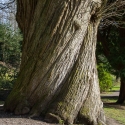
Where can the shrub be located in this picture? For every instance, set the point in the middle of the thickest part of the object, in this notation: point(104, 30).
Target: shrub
point(105, 78)
point(7, 77)
point(10, 55)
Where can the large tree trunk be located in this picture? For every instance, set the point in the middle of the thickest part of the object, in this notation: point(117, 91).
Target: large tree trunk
point(58, 76)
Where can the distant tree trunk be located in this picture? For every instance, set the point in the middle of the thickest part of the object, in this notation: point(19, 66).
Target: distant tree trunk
point(58, 76)
point(121, 97)
point(118, 65)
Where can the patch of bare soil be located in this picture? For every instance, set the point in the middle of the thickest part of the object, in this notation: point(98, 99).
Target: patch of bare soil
point(11, 119)
point(110, 121)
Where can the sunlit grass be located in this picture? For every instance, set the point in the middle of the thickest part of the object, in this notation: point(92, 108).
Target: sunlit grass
point(114, 111)
point(117, 114)
point(115, 88)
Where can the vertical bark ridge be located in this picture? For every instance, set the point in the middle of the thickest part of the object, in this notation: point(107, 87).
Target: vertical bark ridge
point(42, 37)
point(69, 61)
point(77, 85)
point(81, 85)
point(30, 63)
point(92, 106)
point(57, 50)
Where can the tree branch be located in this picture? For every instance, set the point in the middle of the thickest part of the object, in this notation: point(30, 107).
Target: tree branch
point(6, 5)
point(112, 13)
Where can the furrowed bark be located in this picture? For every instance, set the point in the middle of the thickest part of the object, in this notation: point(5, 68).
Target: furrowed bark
point(82, 88)
point(58, 69)
point(92, 105)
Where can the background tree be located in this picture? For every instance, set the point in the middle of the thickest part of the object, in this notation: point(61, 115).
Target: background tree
point(111, 35)
point(112, 40)
point(10, 53)
point(9, 47)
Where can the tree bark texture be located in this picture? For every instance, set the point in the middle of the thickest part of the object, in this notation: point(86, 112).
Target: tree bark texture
point(58, 76)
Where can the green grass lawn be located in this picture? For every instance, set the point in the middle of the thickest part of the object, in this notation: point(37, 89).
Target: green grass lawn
point(117, 114)
point(115, 88)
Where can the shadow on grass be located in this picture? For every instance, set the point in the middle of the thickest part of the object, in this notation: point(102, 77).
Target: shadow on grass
point(111, 102)
point(109, 97)
point(114, 91)
point(114, 105)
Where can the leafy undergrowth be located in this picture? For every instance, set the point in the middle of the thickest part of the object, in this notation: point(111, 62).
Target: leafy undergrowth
point(113, 110)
